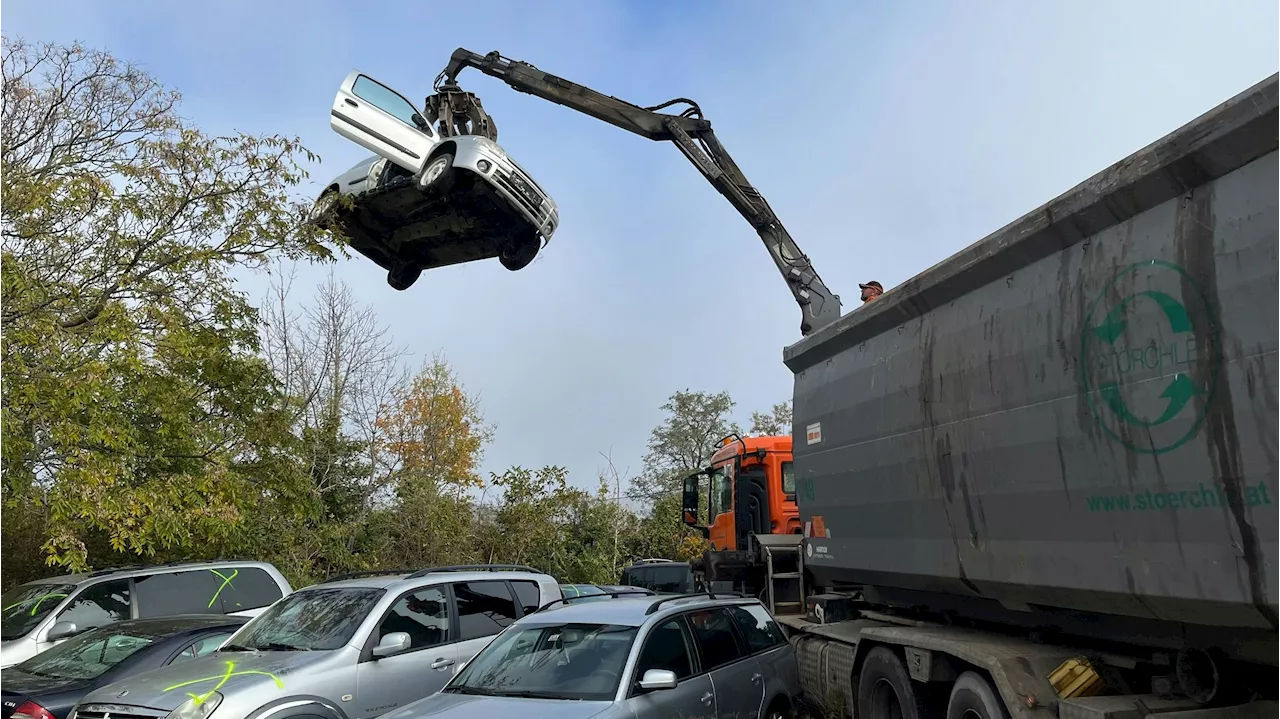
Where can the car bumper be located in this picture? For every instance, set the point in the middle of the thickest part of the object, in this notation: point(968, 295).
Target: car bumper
point(507, 180)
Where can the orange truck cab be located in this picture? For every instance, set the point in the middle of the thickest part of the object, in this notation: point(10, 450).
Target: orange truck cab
point(751, 489)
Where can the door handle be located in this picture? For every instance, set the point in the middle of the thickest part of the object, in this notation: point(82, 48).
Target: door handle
point(706, 698)
point(350, 102)
point(441, 663)
point(755, 678)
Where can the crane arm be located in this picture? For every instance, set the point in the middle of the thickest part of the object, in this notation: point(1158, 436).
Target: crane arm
point(690, 132)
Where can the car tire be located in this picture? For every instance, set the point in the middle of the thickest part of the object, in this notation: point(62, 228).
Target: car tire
point(323, 211)
point(438, 175)
point(402, 277)
point(885, 689)
point(520, 251)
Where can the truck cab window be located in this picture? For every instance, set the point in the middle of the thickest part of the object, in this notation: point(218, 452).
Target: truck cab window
point(721, 492)
point(789, 481)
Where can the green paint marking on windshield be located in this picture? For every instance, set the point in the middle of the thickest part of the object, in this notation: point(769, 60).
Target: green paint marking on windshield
point(226, 582)
point(38, 600)
point(222, 679)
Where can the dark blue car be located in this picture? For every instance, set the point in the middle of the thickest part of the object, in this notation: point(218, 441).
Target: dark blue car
point(49, 684)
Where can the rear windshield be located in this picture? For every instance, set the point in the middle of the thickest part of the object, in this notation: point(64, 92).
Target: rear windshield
point(89, 655)
point(25, 606)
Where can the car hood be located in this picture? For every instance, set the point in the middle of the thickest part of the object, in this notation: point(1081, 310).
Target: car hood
point(469, 706)
point(228, 672)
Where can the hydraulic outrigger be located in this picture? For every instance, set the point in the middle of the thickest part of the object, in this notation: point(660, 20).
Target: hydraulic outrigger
point(456, 112)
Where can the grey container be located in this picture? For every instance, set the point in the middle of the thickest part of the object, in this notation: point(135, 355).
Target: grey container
point(1076, 413)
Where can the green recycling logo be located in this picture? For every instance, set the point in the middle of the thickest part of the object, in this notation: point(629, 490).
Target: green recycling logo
point(1148, 374)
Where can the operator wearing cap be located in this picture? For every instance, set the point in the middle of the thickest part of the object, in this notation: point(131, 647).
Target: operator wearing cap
point(871, 290)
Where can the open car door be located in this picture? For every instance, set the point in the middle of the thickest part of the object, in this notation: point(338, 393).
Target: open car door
point(381, 120)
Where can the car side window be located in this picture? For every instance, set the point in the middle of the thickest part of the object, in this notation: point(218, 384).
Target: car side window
point(200, 647)
point(667, 647)
point(239, 589)
point(423, 615)
point(484, 608)
point(99, 605)
point(760, 630)
point(385, 99)
point(170, 593)
point(528, 595)
point(714, 634)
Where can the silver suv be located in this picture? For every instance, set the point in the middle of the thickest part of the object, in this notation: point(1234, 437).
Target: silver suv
point(353, 647)
point(40, 614)
point(653, 657)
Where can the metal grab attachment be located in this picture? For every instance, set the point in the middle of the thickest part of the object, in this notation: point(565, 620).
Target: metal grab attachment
point(453, 111)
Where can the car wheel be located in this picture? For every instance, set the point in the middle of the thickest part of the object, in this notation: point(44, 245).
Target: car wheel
point(520, 251)
point(323, 210)
point(437, 176)
point(402, 277)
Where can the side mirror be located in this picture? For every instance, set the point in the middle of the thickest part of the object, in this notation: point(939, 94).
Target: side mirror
point(393, 643)
point(62, 630)
point(658, 679)
point(419, 120)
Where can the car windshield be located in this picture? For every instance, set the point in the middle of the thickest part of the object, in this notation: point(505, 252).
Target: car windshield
point(312, 619)
point(676, 579)
point(89, 655)
point(550, 661)
point(26, 605)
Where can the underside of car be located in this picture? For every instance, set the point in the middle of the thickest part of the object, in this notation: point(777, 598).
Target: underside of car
point(393, 226)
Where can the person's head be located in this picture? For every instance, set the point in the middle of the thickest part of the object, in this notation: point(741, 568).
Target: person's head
point(871, 290)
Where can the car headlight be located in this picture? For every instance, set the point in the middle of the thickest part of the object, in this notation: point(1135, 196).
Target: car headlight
point(197, 707)
point(490, 145)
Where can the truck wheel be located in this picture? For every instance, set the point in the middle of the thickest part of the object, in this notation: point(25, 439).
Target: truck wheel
point(885, 690)
point(973, 698)
point(523, 248)
point(438, 175)
point(402, 277)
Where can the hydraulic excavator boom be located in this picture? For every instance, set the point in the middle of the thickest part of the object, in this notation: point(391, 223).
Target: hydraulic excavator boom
point(688, 130)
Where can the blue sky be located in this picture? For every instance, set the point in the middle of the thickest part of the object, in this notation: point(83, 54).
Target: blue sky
point(887, 136)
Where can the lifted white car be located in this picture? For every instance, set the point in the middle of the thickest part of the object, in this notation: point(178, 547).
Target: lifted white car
point(424, 200)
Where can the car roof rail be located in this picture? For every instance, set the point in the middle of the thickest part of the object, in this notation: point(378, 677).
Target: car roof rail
point(364, 573)
point(697, 595)
point(566, 600)
point(653, 560)
point(473, 568)
point(112, 570)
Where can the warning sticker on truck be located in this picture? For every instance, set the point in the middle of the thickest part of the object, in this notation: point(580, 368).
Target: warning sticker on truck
point(813, 433)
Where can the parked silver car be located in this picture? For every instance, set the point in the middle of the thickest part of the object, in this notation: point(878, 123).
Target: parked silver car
point(349, 648)
point(425, 201)
point(40, 614)
point(652, 657)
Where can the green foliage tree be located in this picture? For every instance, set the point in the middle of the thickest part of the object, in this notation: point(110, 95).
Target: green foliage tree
point(777, 421)
point(695, 423)
point(135, 403)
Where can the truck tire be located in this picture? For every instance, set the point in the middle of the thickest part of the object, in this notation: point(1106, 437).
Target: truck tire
point(885, 690)
point(973, 698)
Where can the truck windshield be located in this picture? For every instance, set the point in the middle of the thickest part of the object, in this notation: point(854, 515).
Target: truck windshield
point(312, 619)
point(25, 606)
point(581, 662)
